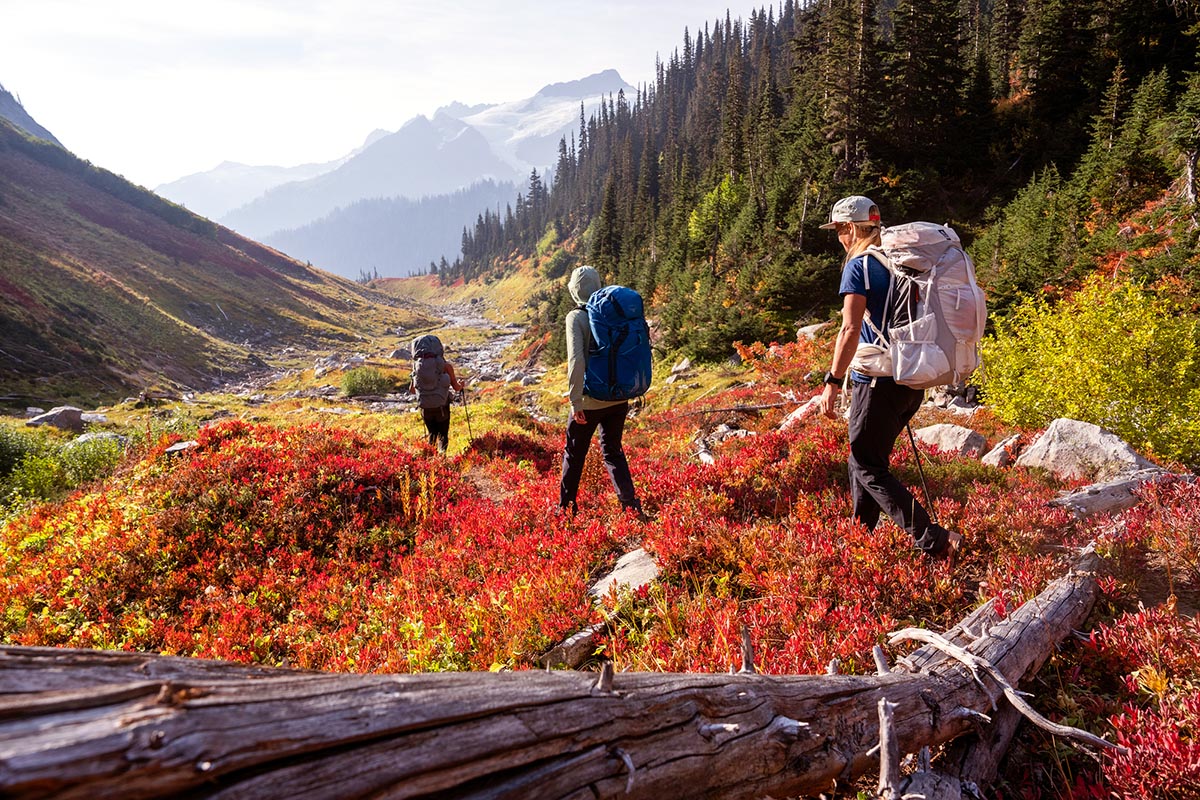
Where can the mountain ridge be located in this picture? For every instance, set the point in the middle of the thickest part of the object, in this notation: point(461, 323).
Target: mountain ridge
point(109, 289)
point(427, 158)
point(12, 110)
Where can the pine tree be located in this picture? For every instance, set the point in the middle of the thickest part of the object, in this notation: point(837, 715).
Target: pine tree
point(1183, 132)
point(925, 77)
point(849, 68)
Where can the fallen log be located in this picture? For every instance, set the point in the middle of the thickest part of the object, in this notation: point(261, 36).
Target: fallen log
point(86, 724)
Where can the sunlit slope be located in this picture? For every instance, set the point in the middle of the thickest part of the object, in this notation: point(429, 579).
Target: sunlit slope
point(105, 287)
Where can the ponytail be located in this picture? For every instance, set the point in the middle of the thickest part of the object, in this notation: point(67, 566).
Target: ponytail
point(866, 235)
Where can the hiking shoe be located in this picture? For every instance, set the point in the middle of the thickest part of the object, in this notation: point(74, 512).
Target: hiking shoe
point(952, 550)
point(638, 513)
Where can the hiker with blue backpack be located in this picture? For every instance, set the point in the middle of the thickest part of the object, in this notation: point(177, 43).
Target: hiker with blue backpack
point(432, 379)
point(608, 364)
point(912, 316)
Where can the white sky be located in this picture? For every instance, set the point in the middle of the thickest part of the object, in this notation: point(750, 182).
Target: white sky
point(158, 89)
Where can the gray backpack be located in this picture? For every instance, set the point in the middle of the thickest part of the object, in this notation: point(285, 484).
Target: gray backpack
point(430, 378)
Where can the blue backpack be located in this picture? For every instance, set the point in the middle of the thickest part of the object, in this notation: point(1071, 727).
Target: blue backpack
point(618, 365)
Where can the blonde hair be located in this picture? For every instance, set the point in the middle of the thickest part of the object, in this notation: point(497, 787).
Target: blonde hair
point(866, 235)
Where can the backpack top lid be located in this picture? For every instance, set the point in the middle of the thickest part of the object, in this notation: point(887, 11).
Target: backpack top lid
point(918, 246)
point(427, 346)
point(614, 305)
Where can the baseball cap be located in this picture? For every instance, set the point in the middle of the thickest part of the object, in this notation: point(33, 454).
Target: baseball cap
point(854, 208)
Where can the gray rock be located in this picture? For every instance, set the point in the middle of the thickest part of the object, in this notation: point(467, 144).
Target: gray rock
point(68, 418)
point(683, 366)
point(952, 439)
point(401, 353)
point(1002, 454)
point(1073, 449)
point(810, 331)
point(99, 436)
point(633, 571)
point(180, 447)
point(32, 412)
point(92, 418)
point(529, 380)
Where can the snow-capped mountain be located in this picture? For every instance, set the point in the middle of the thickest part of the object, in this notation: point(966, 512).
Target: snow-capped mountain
point(425, 157)
point(230, 185)
point(526, 133)
point(452, 152)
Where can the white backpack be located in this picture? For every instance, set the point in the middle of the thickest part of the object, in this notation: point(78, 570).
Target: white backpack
point(939, 306)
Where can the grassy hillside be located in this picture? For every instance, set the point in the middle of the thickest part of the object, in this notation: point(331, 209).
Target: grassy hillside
point(105, 288)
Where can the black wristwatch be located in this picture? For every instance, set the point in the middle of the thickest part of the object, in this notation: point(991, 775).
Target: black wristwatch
point(832, 379)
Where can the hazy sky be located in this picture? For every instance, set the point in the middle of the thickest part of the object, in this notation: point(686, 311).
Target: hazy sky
point(158, 89)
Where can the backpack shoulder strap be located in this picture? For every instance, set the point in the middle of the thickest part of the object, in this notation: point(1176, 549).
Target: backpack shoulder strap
point(882, 258)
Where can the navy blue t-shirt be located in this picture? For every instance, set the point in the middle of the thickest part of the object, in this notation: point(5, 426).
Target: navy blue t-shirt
point(854, 281)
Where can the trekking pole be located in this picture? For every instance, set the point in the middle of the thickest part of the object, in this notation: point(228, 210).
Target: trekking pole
point(917, 455)
point(467, 413)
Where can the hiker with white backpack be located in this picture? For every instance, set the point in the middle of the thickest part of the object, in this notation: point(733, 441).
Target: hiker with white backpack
point(912, 317)
point(608, 364)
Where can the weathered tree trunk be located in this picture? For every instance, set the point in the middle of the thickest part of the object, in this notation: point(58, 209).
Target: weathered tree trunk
point(85, 724)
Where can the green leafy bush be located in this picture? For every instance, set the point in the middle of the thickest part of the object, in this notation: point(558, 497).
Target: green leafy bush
point(1114, 354)
point(37, 477)
point(366, 380)
point(40, 469)
point(86, 461)
point(15, 445)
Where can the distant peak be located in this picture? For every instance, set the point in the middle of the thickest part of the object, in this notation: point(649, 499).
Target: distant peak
point(459, 110)
point(12, 110)
point(608, 81)
point(374, 137)
point(419, 121)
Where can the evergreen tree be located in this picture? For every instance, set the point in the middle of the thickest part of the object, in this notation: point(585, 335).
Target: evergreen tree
point(925, 77)
point(1183, 132)
point(849, 69)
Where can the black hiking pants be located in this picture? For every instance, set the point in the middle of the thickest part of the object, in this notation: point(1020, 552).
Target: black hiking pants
point(611, 422)
point(437, 425)
point(877, 416)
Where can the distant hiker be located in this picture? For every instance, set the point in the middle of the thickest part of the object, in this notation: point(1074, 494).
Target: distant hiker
point(600, 397)
point(432, 379)
point(879, 407)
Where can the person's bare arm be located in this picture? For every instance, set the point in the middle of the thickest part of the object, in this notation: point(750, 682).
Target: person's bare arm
point(458, 385)
point(853, 308)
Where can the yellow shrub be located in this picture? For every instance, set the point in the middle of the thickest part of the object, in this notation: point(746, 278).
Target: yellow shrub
point(1114, 354)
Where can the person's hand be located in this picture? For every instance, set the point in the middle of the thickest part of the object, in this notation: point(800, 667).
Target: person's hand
point(580, 417)
point(828, 402)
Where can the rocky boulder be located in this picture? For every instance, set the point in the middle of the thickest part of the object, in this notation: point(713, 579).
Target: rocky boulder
point(1003, 454)
point(1073, 449)
point(99, 436)
point(68, 418)
point(633, 571)
point(952, 439)
point(810, 331)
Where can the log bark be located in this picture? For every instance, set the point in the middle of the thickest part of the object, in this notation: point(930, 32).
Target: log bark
point(85, 724)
